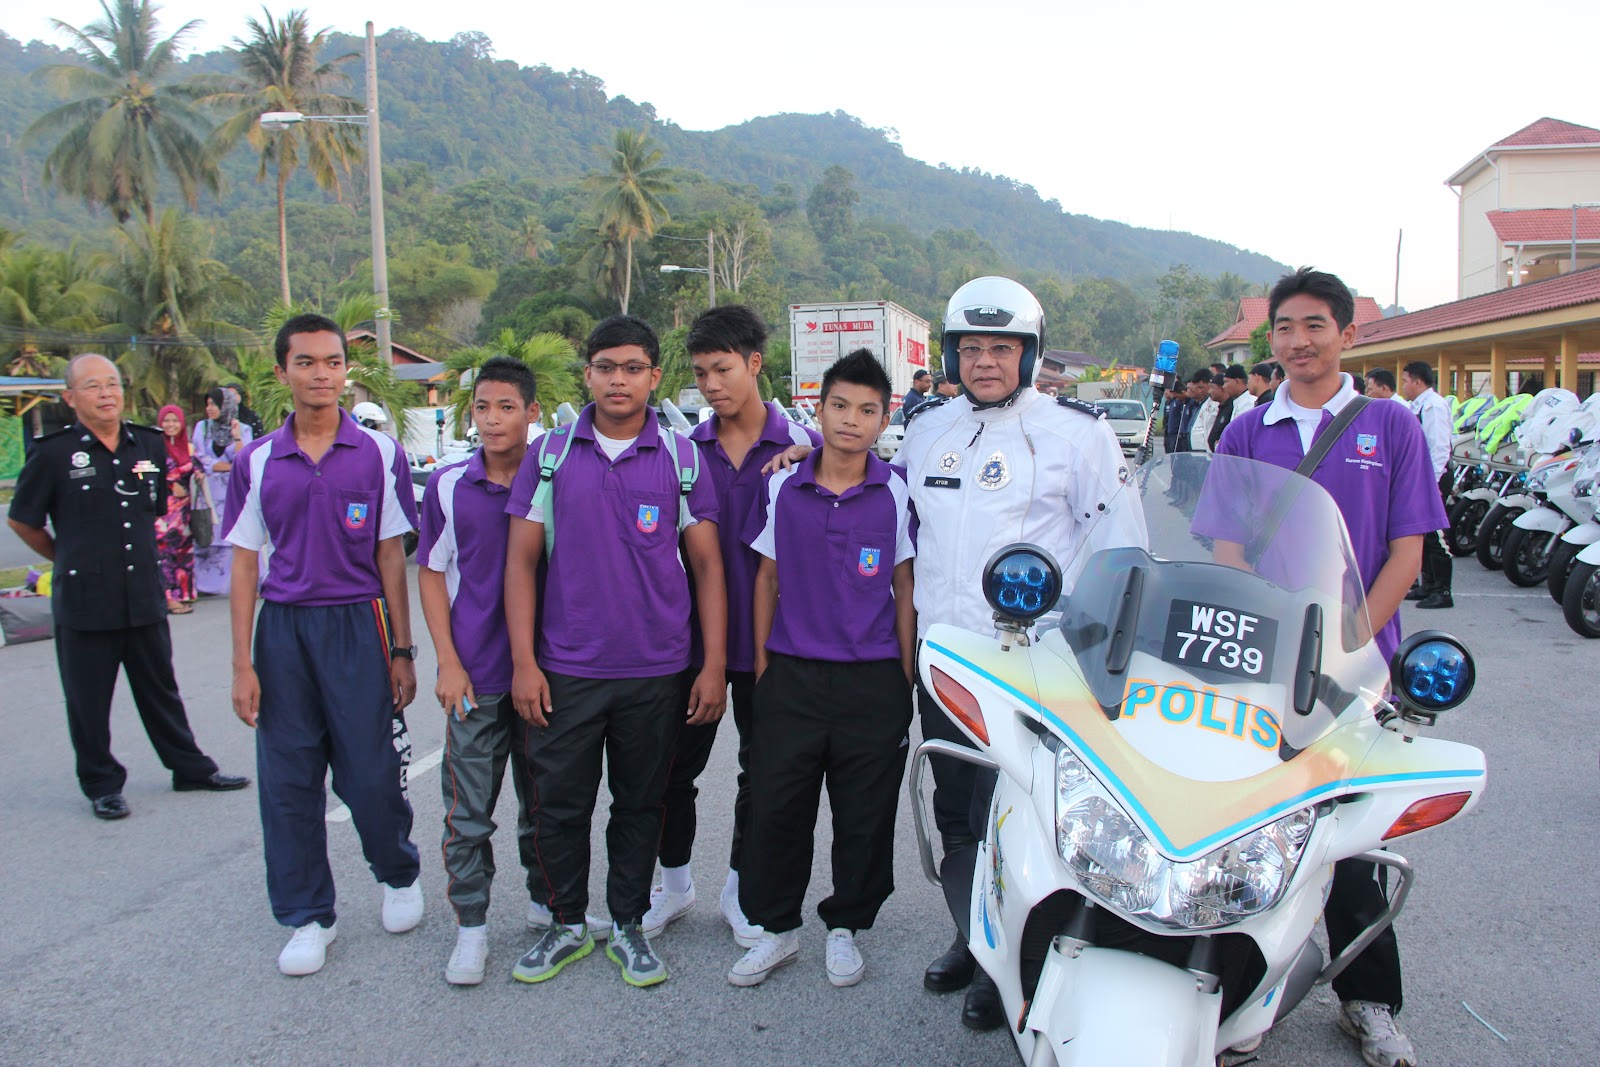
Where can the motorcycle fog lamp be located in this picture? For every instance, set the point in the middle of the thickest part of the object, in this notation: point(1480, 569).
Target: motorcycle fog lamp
point(1022, 582)
point(1433, 671)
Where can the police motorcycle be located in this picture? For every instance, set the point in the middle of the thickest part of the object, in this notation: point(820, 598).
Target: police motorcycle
point(1540, 437)
point(1488, 469)
point(1585, 532)
point(1179, 758)
point(1531, 543)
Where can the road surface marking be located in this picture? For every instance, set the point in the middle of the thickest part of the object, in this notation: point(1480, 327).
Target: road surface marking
point(422, 766)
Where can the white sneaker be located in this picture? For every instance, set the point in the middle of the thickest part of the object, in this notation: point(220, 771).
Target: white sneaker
point(665, 908)
point(539, 920)
point(307, 950)
point(1372, 1024)
point(402, 908)
point(1247, 1046)
point(845, 966)
point(471, 954)
point(745, 932)
point(770, 952)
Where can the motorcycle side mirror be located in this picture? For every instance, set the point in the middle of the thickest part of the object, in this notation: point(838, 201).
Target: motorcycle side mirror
point(1575, 436)
point(1431, 672)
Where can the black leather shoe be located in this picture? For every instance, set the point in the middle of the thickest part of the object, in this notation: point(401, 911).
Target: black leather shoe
point(952, 971)
point(110, 807)
point(1417, 593)
point(217, 783)
point(982, 1009)
point(1440, 599)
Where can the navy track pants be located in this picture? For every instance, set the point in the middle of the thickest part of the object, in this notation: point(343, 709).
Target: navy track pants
point(325, 702)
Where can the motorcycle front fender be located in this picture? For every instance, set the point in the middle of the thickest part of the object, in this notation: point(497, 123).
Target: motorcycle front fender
point(1590, 555)
point(1516, 501)
point(1585, 533)
point(1481, 492)
point(1547, 519)
point(1105, 1006)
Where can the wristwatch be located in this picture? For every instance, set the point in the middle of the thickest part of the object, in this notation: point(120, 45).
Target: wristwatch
point(408, 652)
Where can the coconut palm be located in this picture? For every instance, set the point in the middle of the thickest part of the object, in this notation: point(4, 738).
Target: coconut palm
point(49, 298)
point(551, 357)
point(629, 196)
point(125, 124)
point(281, 72)
point(364, 367)
point(533, 238)
point(170, 290)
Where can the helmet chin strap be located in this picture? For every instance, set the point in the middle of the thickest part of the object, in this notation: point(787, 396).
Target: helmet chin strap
point(1004, 403)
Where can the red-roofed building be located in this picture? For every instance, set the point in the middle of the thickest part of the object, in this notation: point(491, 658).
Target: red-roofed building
point(1233, 344)
point(1518, 202)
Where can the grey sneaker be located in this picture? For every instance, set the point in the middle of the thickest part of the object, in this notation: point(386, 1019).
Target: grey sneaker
point(1382, 1043)
point(556, 947)
point(630, 949)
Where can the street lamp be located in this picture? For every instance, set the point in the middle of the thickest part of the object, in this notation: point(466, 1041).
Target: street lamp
point(708, 270)
point(274, 121)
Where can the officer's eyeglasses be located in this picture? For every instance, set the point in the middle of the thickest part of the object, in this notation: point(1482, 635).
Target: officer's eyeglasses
point(605, 368)
point(1000, 351)
point(112, 386)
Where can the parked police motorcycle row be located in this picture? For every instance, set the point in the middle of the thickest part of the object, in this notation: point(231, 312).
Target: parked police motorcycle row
point(1181, 749)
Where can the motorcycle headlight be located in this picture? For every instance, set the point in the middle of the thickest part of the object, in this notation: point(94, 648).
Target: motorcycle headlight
point(1115, 862)
point(1537, 479)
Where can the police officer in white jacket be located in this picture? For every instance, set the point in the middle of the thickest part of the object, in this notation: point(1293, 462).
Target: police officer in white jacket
point(999, 463)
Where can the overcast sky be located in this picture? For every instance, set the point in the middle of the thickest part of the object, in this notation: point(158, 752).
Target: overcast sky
point(1309, 132)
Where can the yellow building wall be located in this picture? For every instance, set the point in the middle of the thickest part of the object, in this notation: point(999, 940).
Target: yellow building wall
point(1517, 181)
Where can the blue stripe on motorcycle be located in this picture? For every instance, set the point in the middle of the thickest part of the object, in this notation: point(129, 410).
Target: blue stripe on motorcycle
point(1221, 837)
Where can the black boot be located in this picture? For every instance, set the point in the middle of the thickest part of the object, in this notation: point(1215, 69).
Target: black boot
point(951, 971)
point(982, 1009)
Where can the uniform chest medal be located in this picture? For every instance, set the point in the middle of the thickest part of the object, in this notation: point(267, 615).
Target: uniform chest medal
point(80, 460)
point(143, 467)
point(950, 462)
point(996, 474)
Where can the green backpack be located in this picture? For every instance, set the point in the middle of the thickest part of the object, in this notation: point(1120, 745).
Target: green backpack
point(544, 495)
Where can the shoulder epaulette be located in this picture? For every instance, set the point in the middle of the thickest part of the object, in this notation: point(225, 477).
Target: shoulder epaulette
point(926, 405)
point(1083, 407)
point(146, 429)
point(53, 434)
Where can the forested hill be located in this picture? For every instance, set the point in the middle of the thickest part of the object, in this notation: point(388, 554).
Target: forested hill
point(463, 114)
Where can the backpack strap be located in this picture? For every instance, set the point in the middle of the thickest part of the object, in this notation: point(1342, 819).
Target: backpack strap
point(544, 494)
point(687, 475)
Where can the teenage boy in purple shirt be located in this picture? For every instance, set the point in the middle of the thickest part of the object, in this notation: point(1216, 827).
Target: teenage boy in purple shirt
point(609, 674)
point(1380, 476)
point(725, 347)
point(462, 558)
point(836, 634)
point(332, 671)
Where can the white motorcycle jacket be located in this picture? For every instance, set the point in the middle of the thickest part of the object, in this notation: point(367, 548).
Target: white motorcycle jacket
point(1034, 470)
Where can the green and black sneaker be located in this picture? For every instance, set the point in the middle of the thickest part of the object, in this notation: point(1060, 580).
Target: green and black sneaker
point(630, 950)
point(556, 947)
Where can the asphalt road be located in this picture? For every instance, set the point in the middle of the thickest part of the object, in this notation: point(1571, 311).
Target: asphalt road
point(149, 941)
point(13, 553)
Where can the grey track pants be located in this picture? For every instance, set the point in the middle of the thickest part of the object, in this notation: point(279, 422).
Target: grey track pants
point(475, 754)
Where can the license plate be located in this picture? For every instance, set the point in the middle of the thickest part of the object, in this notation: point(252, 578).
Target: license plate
point(1219, 638)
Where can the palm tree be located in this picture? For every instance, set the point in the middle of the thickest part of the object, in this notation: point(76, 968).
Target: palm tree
point(551, 357)
point(46, 297)
point(533, 238)
point(123, 127)
point(281, 73)
point(1229, 287)
point(629, 196)
point(170, 290)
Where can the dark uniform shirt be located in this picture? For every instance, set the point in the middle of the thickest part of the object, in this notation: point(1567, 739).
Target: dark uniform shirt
point(102, 508)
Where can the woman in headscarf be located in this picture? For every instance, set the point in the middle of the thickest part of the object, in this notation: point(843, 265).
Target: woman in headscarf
point(174, 543)
point(217, 440)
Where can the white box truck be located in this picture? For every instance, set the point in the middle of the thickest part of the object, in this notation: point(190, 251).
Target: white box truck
point(821, 333)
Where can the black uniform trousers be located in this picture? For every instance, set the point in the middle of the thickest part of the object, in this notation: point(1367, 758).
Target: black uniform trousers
point(1438, 566)
point(633, 724)
point(88, 661)
point(840, 723)
point(689, 760)
point(1357, 898)
point(954, 781)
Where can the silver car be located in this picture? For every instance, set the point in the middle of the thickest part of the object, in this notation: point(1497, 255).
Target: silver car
point(1129, 419)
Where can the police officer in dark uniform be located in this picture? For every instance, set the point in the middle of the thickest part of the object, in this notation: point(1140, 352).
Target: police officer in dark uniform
point(101, 482)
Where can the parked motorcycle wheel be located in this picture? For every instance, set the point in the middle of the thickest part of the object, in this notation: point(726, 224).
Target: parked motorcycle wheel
point(1527, 556)
point(1581, 604)
point(1492, 535)
point(1465, 518)
point(1562, 558)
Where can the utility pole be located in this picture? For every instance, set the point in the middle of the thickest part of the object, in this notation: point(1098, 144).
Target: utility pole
point(711, 265)
point(380, 259)
point(1397, 242)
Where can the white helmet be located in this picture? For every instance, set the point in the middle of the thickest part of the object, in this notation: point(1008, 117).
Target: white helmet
point(369, 415)
point(999, 306)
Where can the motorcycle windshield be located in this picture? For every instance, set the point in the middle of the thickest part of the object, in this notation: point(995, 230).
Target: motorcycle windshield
point(1237, 634)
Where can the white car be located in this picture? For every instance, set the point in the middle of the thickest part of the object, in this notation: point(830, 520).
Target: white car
point(1129, 419)
point(889, 441)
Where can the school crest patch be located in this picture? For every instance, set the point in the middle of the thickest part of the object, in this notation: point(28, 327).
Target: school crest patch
point(355, 515)
point(1366, 444)
point(649, 517)
point(869, 561)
